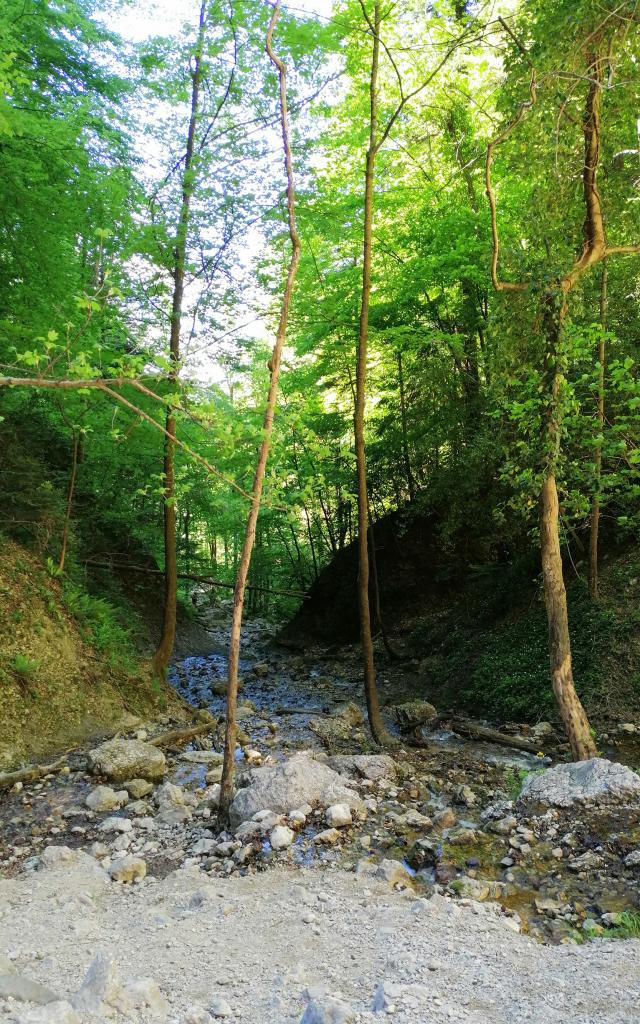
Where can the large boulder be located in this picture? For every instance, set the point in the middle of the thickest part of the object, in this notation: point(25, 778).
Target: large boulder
point(594, 782)
point(365, 766)
point(413, 713)
point(299, 780)
point(121, 760)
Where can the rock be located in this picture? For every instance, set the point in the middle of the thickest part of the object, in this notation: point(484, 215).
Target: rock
point(203, 846)
point(339, 725)
point(196, 1015)
point(104, 798)
point(542, 732)
point(464, 795)
point(338, 816)
point(127, 759)
point(446, 818)
point(220, 1007)
point(210, 757)
point(128, 869)
point(101, 991)
point(138, 788)
point(115, 825)
point(281, 837)
point(479, 889)
point(300, 779)
point(261, 670)
point(413, 713)
point(628, 727)
point(59, 1012)
point(393, 872)
point(423, 854)
point(632, 860)
point(175, 804)
point(327, 1010)
point(144, 994)
point(329, 837)
point(366, 766)
point(596, 781)
point(24, 990)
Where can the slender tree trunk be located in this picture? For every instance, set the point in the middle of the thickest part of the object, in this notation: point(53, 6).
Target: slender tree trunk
point(571, 710)
point(168, 630)
point(226, 794)
point(597, 458)
point(376, 723)
point(70, 494)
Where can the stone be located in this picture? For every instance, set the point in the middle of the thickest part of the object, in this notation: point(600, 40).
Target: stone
point(281, 837)
point(464, 795)
point(127, 759)
point(446, 818)
point(220, 1007)
point(138, 788)
point(596, 781)
point(145, 994)
point(300, 779)
point(196, 1015)
point(628, 727)
point(25, 990)
point(338, 816)
point(128, 869)
point(479, 889)
point(175, 804)
point(393, 872)
point(58, 1012)
point(366, 766)
point(115, 825)
point(101, 990)
point(104, 798)
point(327, 1010)
point(413, 713)
point(423, 854)
point(209, 757)
point(203, 846)
point(328, 837)
point(632, 860)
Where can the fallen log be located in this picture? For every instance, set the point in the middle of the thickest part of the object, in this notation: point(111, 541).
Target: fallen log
point(482, 732)
point(167, 739)
point(31, 773)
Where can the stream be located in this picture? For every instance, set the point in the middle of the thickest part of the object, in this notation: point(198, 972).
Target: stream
point(447, 819)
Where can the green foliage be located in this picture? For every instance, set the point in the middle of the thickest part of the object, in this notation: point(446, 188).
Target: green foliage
point(102, 625)
point(24, 667)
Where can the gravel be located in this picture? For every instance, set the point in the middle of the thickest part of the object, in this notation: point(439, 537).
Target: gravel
point(264, 947)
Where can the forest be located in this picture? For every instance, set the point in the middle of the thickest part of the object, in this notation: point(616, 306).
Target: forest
point(320, 402)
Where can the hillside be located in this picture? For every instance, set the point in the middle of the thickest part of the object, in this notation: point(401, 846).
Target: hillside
point(69, 667)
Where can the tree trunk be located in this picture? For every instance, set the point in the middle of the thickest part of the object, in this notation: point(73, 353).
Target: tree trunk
point(226, 792)
point(597, 458)
point(69, 509)
point(168, 630)
point(376, 724)
point(555, 595)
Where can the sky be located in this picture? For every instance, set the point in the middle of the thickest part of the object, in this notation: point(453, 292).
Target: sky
point(141, 19)
point(163, 17)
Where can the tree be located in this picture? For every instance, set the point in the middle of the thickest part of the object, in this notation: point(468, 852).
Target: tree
point(226, 792)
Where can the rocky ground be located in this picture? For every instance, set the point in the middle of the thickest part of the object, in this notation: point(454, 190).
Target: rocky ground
point(350, 883)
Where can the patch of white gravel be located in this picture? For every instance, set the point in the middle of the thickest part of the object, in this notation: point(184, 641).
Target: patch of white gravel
point(259, 947)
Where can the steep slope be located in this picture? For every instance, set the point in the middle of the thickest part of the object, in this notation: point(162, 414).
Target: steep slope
point(69, 668)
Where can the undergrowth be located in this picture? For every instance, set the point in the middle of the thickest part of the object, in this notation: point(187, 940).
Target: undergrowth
point(102, 626)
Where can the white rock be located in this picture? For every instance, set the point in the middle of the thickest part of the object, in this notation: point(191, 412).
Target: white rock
point(281, 837)
point(327, 1010)
point(115, 825)
point(338, 816)
point(300, 779)
point(596, 781)
point(101, 991)
point(197, 1016)
point(59, 1012)
point(128, 759)
point(104, 798)
point(393, 872)
point(144, 993)
point(220, 1007)
point(632, 860)
point(128, 869)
